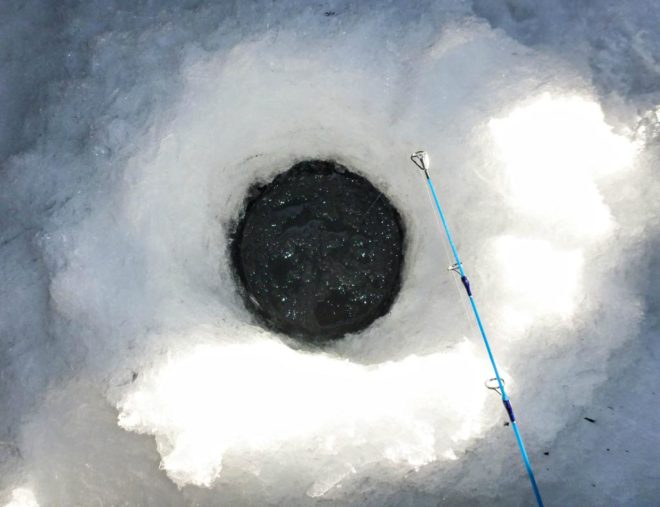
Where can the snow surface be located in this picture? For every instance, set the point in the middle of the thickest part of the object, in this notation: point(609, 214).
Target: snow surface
point(131, 374)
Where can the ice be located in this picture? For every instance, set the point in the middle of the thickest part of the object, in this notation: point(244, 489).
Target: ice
point(130, 373)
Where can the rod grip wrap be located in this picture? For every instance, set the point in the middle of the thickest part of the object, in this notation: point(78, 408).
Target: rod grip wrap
point(509, 410)
point(466, 284)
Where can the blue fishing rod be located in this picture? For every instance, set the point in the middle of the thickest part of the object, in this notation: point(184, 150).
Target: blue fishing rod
point(421, 160)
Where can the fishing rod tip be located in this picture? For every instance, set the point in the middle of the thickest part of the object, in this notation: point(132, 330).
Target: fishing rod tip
point(421, 159)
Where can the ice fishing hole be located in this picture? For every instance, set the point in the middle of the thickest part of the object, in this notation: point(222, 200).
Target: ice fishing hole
point(317, 252)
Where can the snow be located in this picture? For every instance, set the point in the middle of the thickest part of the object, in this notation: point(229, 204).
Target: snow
point(22, 497)
point(130, 373)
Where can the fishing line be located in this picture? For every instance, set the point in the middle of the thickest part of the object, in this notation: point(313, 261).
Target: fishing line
point(364, 215)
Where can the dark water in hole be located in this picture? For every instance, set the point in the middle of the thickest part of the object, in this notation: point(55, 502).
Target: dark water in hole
point(319, 252)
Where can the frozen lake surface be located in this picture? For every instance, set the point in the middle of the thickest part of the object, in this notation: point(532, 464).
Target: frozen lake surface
point(131, 372)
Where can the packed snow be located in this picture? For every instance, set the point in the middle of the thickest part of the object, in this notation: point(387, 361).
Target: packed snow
point(132, 374)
